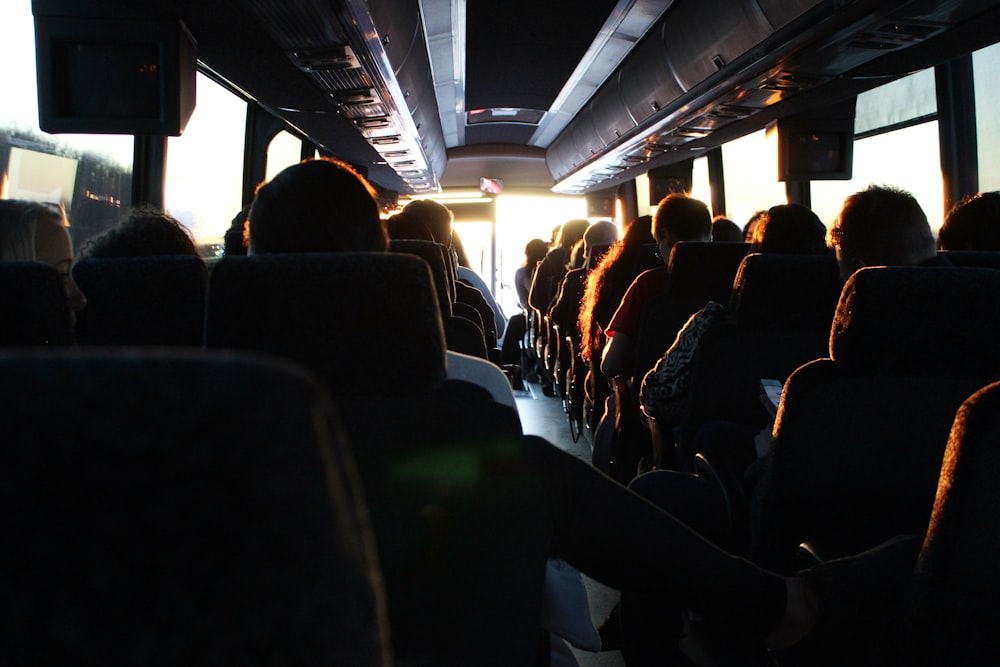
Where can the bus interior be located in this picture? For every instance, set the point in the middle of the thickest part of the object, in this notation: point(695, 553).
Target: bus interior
point(517, 116)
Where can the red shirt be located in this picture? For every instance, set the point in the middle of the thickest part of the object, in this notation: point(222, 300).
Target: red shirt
point(645, 288)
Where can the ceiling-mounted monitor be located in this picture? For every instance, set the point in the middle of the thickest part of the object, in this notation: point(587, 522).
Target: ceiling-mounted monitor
point(111, 76)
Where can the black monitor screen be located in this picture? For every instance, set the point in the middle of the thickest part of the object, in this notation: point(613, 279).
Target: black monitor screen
point(108, 80)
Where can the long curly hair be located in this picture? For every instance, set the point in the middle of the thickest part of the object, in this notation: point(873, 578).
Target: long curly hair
point(607, 283)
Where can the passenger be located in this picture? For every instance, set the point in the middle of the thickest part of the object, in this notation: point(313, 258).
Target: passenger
point(565, 309)
point(235, 238)
point(438, 219)
point(36, 232)
point(751, 224)
point(882, 226)
point(144, 232)
point(784, 229)
point(551, 270)
point(534, 252)
point(593, 523)
point(401, 226)
point(606, 285)
point(972, 224)
point(725, 230)
point(325, 206)
point(678, 218)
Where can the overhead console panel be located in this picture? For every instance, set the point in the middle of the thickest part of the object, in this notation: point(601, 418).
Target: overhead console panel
point(711, 63)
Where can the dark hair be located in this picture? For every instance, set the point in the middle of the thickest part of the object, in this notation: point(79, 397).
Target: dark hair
point(534, 252)
point(685, 218)
point(972, 224)
point(790, 229)
point(435, 216)
point(144, 232)
point(725, 230)
point(319, 205)
point(883, 225)
point(402, 226)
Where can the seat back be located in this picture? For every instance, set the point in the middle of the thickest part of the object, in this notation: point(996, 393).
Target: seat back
point(952, 612)
point(166, 508)
point(433, 254)
point(33, 306)
point(985, 259)
point(699, 273)
point(157, 300)
point(367, 323)
point(859, 437)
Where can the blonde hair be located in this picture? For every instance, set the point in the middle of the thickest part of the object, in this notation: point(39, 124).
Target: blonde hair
point(18, 219)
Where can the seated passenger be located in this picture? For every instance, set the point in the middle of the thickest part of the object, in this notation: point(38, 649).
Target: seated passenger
point(725, 230)
point(972, 224)
point(592, 522)
point(319, 206)
point(36, 232)
point(143, 233)
point(678, 218)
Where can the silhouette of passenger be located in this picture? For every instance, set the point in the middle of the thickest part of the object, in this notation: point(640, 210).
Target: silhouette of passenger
point(144, 232)
point(725, 230)
point(972, 224)
point(36, 232)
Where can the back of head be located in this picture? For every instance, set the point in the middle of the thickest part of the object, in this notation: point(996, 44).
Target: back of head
point(318, 205)
point(144, 233)
point(435, 216)
point(790, 229)
point(686, 219)
point(571, 232)
point(402, 226)
point(972, 224)
point(535, 251)
point(602, 232)
point(17, 228)
point(882, 226)
point(725, 230)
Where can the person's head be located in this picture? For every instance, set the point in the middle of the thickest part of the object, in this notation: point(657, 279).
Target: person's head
point(143, 233)
point(680, 218)
point(972, 224)
point(789, 229)
point(881, 226)
point(320, 205)
point(435, 216)
point(751, 225)
point(534, 252)
point(571, 232)
point(402, 226)
point(36, 232)
point(601, 233)
point(725, 230)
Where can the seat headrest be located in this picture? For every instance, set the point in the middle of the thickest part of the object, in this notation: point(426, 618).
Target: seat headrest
point(704, 271)
point(433, 254)
point(919, 320)
point(367, 323)
point(788, 293)
point(178, 508)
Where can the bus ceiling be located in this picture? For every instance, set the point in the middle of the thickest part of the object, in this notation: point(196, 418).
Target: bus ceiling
point(437, 93)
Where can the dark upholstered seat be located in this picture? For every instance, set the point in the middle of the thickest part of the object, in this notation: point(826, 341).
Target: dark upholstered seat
point(782, 308)
point(157, 300)
point(699, 273)
point(431, 253)
point(33, 307)
point(860, 436)
point(952, 615)
point(367, 323)
point(165, 508)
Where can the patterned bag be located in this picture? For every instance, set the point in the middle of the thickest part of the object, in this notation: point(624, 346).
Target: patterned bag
point(664, 389)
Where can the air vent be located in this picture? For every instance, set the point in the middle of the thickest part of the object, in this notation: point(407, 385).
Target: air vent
point(891, 36)
point(326, 58)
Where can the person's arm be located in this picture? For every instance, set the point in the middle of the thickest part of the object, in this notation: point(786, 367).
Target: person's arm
point(618, 356)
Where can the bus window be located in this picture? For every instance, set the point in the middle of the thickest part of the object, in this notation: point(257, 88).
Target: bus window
point(90, 175)
point(751, 176)
point(284, 150)
point(700, 186)
point(899, 147)
point(986, 69)
point(205, 166)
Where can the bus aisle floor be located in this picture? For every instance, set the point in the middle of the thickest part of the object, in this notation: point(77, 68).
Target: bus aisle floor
point(544, 416)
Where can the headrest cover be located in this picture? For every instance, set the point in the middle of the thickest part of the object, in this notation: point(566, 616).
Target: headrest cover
point(703, 270)
point(919, 320)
